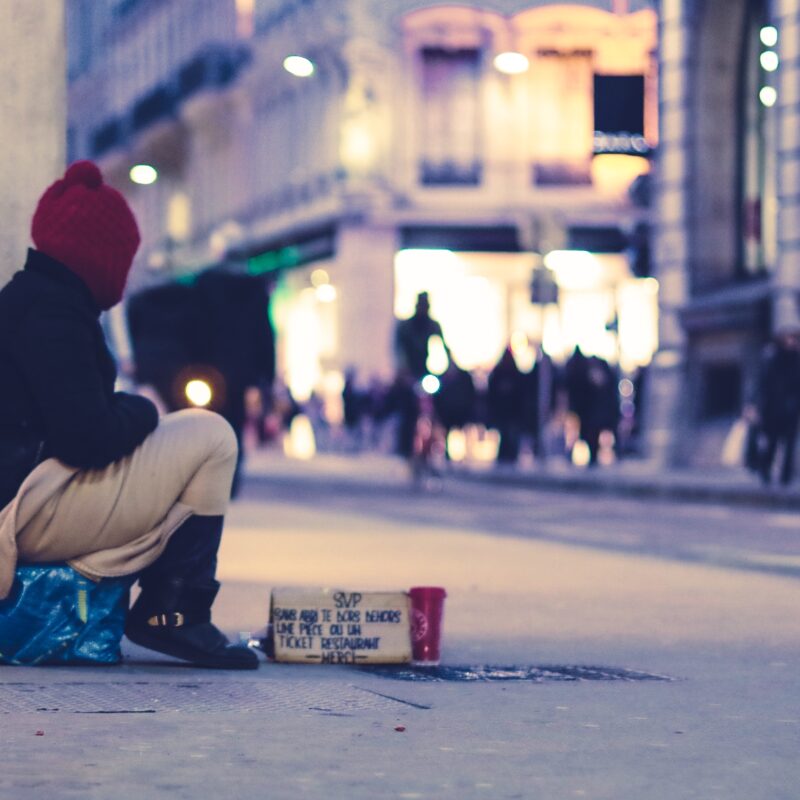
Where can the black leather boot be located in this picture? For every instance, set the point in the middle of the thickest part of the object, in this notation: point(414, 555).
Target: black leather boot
point(173, 617)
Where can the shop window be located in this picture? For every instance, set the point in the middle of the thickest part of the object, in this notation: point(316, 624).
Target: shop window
point(561, 117)
point(721, 390)
point(450, 117)
point(619, 114)
point(758, 211)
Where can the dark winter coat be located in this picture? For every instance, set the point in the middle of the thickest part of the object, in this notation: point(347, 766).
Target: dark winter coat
point(455, 400)
point(58, 397)
point(411, 343)
point(506, 394)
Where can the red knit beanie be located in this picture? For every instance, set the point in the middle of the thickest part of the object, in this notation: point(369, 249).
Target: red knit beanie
point(90, 229)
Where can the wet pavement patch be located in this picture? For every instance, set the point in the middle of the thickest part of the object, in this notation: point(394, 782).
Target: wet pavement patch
point(488, 674)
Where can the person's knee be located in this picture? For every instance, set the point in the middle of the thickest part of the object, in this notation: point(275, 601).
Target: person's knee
point(212, 430)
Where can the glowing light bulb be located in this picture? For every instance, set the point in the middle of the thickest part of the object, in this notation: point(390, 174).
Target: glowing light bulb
point(198, 393)
point(769, 35)
point(430, 384)
point(769, 60)
point(143, 174)
point(511, 63)
point(768, 96)
point(299, 66)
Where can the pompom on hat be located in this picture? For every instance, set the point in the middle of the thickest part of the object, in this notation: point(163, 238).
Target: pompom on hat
point(90, 229)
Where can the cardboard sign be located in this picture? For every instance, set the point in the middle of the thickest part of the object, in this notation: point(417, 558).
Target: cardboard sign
point(334, 626)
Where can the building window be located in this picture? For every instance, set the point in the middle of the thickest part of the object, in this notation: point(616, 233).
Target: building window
point(619, 114)
point(450, 146)
point(562, 117)
point(758, 193)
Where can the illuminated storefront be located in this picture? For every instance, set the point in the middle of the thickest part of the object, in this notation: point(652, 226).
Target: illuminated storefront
point(483, 302)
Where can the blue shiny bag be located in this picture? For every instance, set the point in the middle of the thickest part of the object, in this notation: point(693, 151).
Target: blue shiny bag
point(54, 615)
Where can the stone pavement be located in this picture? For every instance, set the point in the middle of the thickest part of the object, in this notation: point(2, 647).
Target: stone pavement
point(689, 690)
point(630, 477)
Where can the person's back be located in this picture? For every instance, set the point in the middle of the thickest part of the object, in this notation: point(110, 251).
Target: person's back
point(412, 337)
point(455, 400)
point(506, 391)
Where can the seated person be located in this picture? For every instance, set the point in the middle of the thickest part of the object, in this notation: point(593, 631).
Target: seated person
point(91, 476)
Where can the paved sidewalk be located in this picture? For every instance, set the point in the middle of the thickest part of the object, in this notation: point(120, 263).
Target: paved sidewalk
point(724, 724)
point(632, 477)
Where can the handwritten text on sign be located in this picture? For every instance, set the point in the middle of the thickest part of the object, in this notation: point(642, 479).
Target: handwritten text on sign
point(333, 626)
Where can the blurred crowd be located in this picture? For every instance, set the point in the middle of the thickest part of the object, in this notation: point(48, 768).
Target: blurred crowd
point(583, 411)
point(215, 331)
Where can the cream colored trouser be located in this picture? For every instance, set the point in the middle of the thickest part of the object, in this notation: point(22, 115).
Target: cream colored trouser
point(117, 520)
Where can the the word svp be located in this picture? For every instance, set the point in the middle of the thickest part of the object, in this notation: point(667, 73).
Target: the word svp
point(337, 626)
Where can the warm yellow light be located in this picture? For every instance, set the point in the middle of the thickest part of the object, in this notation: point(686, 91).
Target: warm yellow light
point(143, 174)
point(299, 66)
point(179, 216)
point(319, 277)
point(650, 285)
point(358, 148)
point(198, 393)
point(576, 270)
point(437, 361)
point(769, 60)
point(769, 35)
point(326, 293)
point(519, 342)
point(613, 173)
point(580, 454)
point(768, 96)
point(457, 445)
point(511, 63)
point(299, 441)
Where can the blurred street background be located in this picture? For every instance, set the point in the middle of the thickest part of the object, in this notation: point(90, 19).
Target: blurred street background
point(498, 295)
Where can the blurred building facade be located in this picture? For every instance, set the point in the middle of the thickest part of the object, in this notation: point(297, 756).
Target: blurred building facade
point(32, 111)
point(409, 160)
point(727, 243)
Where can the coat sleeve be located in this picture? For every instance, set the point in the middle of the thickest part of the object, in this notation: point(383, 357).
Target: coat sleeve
point(86, 425)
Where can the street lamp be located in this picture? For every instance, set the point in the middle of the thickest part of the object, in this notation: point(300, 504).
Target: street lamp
point(511, 63)
point(143, 174)
point(299, 66)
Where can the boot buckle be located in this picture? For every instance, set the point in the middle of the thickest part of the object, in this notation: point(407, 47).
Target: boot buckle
point(172, 620)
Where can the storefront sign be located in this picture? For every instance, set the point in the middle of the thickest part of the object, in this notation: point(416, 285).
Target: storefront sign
point(335, 626)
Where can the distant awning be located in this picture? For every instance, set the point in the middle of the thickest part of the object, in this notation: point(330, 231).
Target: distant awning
point(473, 238)
point(290, 250)
point(597, 239)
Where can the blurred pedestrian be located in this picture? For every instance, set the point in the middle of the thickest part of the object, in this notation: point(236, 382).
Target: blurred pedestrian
point(506, 406)
point(401, 402)
point(354, 404)
point(412, 339)
point(90, 475)
point(778, 402)
point(600, 405)
point(454, 402)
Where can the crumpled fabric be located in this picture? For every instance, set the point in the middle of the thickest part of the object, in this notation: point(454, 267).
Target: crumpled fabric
point(55, 615)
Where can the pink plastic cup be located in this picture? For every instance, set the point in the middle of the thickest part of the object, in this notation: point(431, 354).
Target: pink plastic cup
point(427, 607)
